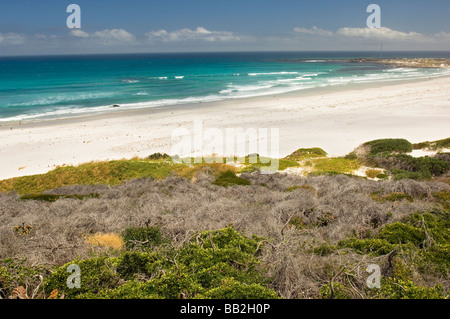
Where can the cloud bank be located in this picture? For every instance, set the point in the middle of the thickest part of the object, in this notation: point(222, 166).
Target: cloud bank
point(379, 34)
point(186, 34)
point(106, 36)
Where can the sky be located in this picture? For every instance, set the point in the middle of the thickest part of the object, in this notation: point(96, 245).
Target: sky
point(31, 27)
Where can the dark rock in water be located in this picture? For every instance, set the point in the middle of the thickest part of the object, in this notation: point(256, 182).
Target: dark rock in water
point(116, 105)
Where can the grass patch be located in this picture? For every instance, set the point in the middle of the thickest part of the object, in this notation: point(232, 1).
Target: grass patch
point(110, 173)
point(229, 178)
point(434, 145)
point(305, 153)
point(267, 162)
point(374, 173)
point(335, 165)
point(214, 169)
point(304, 186)
point(109, 240)
point(54, 198)
point(392, 197)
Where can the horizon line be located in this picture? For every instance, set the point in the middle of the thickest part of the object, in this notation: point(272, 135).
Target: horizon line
point(217, 52)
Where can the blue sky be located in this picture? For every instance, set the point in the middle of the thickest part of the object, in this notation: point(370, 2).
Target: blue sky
point(39, 27)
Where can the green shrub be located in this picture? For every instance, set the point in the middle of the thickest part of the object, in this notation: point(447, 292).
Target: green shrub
point(340, 291)
point(433, 166)
point(96, 275)
point(435, 259)
point(158, 156)
point(394, 288)
point(399, 174)
point(133, 263)
point(232, 289)
point(324, 249)
point(130, 290)
point(5, 283)
point(397, 232)
point(214, 255)
point(142, 237)
point(351, 156)
point(445, 143)
point(390, 145)
point(14, 272)
point(373, 246)
point(172, 284)
point(304, 153)
point(404, 166)
point(229, 178)
point(443, 198)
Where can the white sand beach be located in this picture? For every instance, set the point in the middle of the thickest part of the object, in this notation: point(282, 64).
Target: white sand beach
point(337, 121)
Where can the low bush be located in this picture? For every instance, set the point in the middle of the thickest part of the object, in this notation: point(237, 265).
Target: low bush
point(339, 291)
point(305, 153)
point(394, 288)
point(158, 156)
point(444, 143)
point(373, 246)
point(142, 238)
point(229, 178)
point(232, 289)
point(390, 145)
point(373, 173)
point(96, 274)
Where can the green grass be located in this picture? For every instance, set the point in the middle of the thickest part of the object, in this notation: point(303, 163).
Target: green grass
point(229, 178)
point(434, 145)
point(305, 153)
point(267, 162)
point(109, 173)
point(335, 165)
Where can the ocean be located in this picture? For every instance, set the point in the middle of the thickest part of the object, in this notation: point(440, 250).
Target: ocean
point(61, 86)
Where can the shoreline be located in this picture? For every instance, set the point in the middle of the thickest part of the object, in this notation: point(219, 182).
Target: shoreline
point(118, 111)
point(336, 119)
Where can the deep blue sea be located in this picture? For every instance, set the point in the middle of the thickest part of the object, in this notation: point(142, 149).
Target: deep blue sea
point(36, 87)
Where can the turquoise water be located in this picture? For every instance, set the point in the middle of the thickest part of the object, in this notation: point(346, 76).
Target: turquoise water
point(36, 87)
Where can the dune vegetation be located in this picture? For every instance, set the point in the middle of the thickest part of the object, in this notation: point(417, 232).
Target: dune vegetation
point(159, 229)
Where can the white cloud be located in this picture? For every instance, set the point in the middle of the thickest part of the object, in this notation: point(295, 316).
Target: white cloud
point(187, 34)
point(314, 31)
point(114, 35)
point(107, 36)
point(11, 39)
point(381, 34)
point(79, 33)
